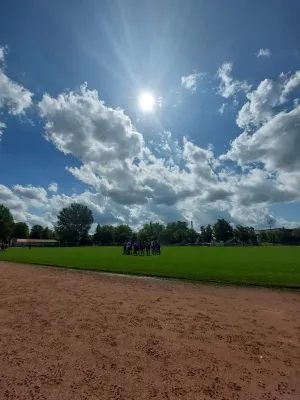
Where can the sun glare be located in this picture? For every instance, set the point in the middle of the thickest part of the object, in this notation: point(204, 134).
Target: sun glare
point(146, 101)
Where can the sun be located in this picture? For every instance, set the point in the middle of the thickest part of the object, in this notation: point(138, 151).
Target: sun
point(146, 101)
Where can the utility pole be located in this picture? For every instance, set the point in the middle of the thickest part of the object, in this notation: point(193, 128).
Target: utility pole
point(271, 222)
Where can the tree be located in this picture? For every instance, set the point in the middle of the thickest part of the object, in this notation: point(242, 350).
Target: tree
point(245, 234)
point(97, 234)
point(107, 234)
point(49, 233)
point(174, 232)
point(122, 233)
point(201, 233)
point(242, 234)
point(283, 235)
point(270, 235)
point(152, 231)
point(134, 236)
point(74, 223)
point(104, 234)
point(253, 236)
point(296, 235)
point(193, 236)
point(37, 232)
point(263, 236)
point(6, 223)
point(223, 231)
point(206, 234)
point(20, 231)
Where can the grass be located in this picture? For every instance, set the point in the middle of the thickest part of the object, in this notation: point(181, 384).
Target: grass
point(266, 266)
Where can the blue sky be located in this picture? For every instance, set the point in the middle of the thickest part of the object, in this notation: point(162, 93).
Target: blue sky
point(221, 140)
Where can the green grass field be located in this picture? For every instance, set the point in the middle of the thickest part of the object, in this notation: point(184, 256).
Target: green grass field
point(267, 266)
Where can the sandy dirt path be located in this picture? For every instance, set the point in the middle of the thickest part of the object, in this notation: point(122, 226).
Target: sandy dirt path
point(80, 335)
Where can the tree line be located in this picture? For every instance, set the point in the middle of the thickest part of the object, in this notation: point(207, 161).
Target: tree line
point(280, 235)
point(74, 223)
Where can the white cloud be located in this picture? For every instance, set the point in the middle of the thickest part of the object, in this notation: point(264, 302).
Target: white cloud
point(134, 184)
point(222, 108)
point(2, 126)
point(80, 124)
point(11, 200)
point(264, 53)
point(115, 158)
point(32, 196)
point(134, 181)
point(271, 141)
point(14, 97)
point(53, 187)
point(264, 101)
point(259, 187)
point(190, 81)
point(2, 54)
point(30, 192)
point(228, 86)
point(238, 198)
point(167, 147)
point(290, 85)
point(275, 144)
point(271, 135)
point(259, 108)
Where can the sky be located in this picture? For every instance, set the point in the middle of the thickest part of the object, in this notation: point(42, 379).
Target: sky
point(222, 139)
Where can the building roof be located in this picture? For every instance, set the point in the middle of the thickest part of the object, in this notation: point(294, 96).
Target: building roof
point(35, 241)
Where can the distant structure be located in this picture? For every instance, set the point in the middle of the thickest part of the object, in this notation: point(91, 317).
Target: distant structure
point(271, 222)
point(34, 242)
point(192, 226)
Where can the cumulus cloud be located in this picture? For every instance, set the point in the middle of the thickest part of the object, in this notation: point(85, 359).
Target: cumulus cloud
point(115, 158)
point(238, 198)
point(53, 187)
point(2, 126)
point(290, 85)
point(2, 54)
point(14, 97)
point(80, 124)
point(190, 81)
point(271, 133)
point(263, 53)
point(222, 108)
point(228, 86)
point(32, 196)
point(268, 146)
point(275, 144)
point(259, 109)
point(264, 101)
point(30, 192)
point(261, 187)
point(11, 200)
point(134, 181)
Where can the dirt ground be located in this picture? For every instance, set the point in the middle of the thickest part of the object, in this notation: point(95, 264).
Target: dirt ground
point(80, 335)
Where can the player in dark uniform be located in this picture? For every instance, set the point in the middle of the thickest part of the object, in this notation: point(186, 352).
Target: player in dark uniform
point(157, 243)
point(142, 246)
point(135, 248)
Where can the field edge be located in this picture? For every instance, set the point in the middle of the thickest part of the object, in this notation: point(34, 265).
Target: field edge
point(220, 282)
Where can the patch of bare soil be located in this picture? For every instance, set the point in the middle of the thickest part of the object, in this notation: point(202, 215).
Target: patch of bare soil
point(79, 335)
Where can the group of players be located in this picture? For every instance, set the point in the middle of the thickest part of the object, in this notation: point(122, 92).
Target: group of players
point(135, 248)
